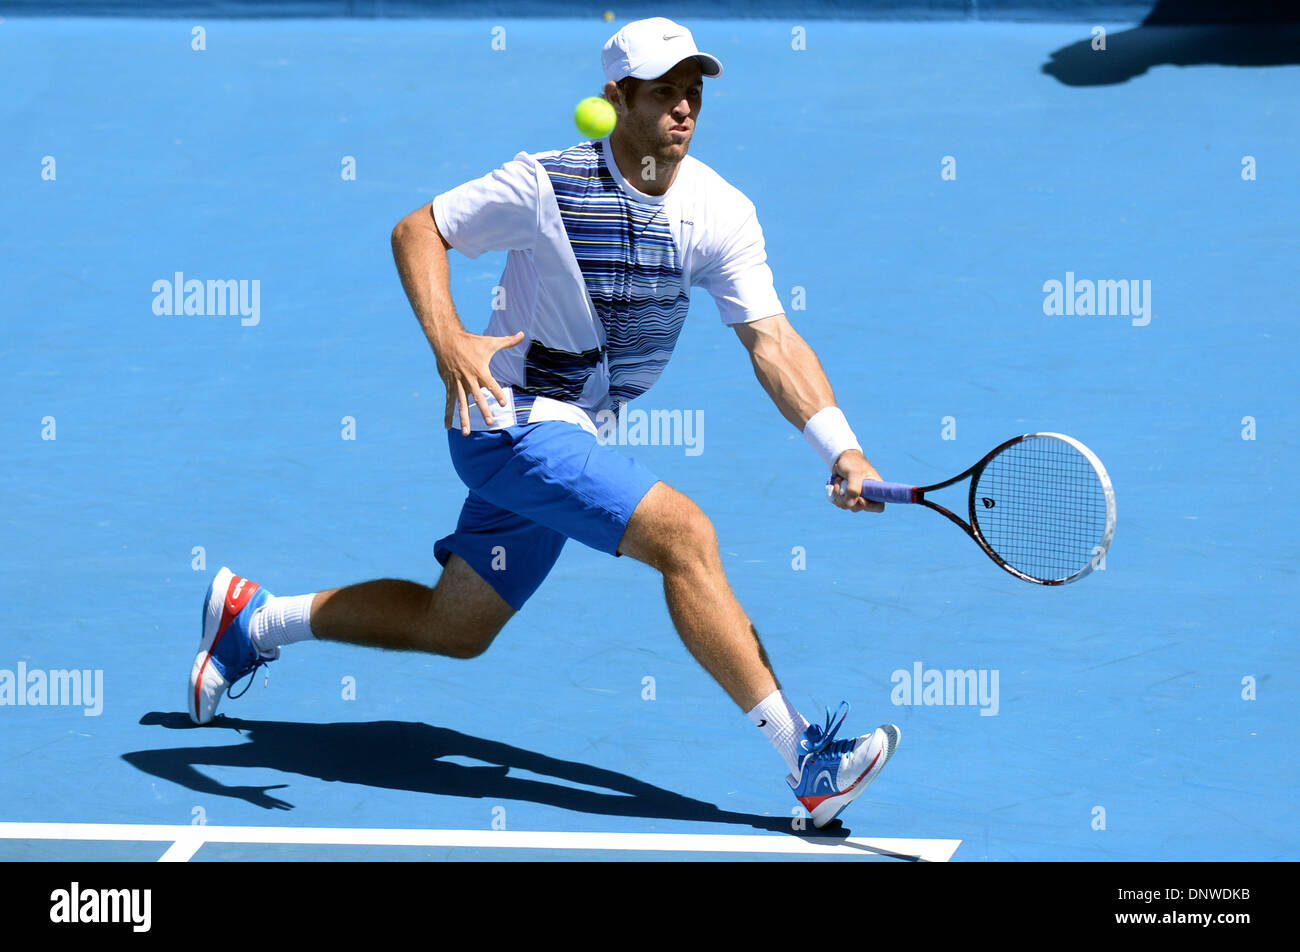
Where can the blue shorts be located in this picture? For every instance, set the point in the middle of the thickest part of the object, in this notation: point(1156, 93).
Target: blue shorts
point(530, 488)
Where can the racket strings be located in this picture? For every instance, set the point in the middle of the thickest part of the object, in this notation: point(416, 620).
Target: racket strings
point(1041, 507)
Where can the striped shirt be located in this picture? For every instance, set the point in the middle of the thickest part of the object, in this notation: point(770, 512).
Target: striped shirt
point(599, 274)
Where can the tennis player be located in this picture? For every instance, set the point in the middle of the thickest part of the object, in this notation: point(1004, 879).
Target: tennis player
point(605, 241)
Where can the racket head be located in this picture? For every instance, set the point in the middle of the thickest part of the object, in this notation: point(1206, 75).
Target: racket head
point(1042, 506)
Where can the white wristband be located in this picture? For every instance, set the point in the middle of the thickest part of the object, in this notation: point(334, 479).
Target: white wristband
point(830, 435)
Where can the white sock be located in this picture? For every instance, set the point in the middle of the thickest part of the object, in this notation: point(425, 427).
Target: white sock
point(281, 621)
point(782, 725)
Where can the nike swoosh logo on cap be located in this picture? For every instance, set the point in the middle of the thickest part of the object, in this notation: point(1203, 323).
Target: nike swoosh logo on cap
point(671, 36)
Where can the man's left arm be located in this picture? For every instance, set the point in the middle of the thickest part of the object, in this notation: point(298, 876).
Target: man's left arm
point(793, 377)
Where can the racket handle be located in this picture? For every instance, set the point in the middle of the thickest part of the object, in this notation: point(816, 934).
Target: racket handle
point(882, 491)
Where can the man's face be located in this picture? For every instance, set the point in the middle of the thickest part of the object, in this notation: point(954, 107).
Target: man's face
point(660, 119)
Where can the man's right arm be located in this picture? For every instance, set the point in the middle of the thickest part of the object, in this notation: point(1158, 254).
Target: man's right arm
point(420, 251)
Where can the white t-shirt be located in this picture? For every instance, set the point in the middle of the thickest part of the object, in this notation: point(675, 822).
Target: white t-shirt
point(599, 273)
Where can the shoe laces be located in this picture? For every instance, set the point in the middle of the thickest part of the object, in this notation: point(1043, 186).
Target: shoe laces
point(260, 662)
point(820, 742)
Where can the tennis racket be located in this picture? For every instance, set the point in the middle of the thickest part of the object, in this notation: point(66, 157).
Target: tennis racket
point(1040, 505)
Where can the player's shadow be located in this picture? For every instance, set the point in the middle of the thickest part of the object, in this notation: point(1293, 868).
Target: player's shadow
point(403, 755)
point(1185, 33)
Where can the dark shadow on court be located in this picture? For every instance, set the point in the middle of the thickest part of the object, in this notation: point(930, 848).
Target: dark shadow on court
point(405, 755)
point(1167, 38)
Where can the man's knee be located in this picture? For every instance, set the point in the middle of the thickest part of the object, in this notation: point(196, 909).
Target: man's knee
point(693, 538)
point(458, 633)
point(464, 613)
point(670, 532)
point(466, 648)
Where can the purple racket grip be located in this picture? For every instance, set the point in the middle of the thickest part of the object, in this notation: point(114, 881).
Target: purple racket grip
point(881, 491)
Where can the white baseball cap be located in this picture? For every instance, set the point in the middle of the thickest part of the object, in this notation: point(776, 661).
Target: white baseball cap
point(646, 49)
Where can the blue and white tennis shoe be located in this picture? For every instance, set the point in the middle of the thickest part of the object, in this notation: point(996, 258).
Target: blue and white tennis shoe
point(832, 773)
point(226, 653)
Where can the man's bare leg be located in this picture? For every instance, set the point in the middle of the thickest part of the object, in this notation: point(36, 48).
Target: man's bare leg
point(669, 532)
point(458, 617)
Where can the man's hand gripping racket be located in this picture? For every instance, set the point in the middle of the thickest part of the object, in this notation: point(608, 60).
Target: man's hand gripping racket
point(1040, 505)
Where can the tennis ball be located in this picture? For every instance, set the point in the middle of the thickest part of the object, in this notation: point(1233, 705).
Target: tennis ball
point(595, 117)
point(609, 15)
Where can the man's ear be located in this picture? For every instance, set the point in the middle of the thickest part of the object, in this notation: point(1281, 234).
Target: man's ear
point(615, 96)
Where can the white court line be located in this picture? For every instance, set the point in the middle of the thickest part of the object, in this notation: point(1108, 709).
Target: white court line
point(186, 840)
point(182, 850)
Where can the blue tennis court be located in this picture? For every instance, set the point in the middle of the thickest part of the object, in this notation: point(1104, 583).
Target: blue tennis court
point(920, 185)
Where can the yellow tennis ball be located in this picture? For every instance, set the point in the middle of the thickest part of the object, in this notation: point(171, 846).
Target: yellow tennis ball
point(595, 117)
point(609, 15)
